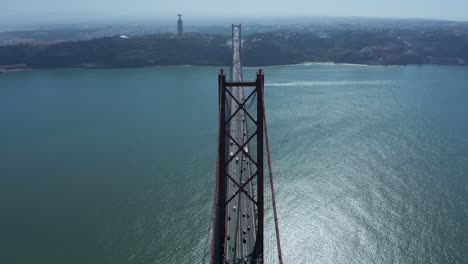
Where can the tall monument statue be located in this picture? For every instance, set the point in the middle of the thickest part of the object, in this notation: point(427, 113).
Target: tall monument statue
point(180, 27)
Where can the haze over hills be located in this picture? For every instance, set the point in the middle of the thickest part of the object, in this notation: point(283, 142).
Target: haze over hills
point(75, 19)
point(136, 43)
point(84, 25)
point(149, 9)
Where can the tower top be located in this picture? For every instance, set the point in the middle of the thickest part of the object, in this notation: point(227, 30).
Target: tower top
point(179, 15)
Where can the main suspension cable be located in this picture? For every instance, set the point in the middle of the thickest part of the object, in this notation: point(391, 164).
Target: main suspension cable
point(275, 214)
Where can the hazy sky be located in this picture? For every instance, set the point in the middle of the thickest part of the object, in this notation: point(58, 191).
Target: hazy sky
point(438, 9)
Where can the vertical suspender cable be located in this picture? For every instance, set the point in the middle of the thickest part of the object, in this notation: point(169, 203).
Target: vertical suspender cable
point(275, 215)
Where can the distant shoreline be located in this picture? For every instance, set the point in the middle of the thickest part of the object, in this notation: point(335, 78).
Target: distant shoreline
point(13, 71)
point(325, 63)
point(218, 66)
point(371, 65)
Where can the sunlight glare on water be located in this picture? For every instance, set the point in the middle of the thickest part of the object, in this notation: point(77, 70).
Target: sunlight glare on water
point(117, 166)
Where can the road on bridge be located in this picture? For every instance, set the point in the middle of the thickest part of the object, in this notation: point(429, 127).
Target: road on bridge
point(241, 221)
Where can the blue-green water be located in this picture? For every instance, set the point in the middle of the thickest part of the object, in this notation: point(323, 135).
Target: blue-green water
point(117, 166)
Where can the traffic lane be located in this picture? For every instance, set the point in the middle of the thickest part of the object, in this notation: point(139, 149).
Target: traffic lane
point(248, 218)
point(249, 209)
point(232, 213)
point(242, 200)
point(233, 224)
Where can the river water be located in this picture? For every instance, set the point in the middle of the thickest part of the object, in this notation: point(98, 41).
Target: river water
point(117, 166)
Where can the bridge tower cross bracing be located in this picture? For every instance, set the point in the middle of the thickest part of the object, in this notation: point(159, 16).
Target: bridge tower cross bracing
point(238, 213)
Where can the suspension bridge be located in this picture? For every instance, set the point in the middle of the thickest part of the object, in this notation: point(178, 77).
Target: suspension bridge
point(239, 202)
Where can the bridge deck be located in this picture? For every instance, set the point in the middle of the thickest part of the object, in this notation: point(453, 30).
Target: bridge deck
point(241, 210)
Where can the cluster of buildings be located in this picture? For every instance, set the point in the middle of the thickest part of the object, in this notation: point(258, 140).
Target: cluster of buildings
point(390, 53)
point(445, 61)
